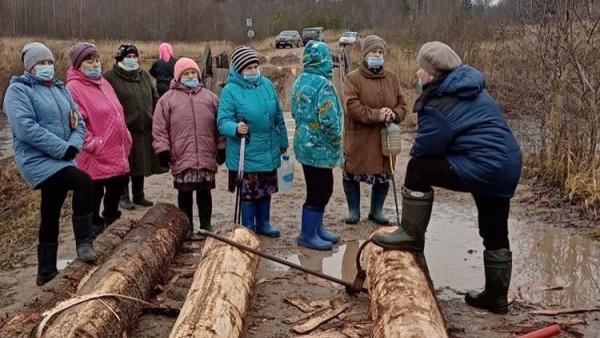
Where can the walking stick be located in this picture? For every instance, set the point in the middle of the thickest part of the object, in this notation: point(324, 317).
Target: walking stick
point(240, 176)
point(393, 181)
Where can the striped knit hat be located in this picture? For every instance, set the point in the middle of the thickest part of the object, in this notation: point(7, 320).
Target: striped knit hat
point(242, 57)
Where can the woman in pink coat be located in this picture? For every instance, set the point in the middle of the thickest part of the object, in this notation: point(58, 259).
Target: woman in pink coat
point(185, 135)
point(107, 140)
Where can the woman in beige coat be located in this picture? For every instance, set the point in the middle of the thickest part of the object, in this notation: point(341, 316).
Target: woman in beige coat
point(372, 98)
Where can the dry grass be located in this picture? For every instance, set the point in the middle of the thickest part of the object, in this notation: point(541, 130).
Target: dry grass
point(19, 214)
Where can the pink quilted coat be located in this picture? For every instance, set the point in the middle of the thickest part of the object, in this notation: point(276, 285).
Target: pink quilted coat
point(185, 125)
point(107, 141)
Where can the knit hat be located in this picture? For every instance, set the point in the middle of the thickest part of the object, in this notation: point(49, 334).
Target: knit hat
point(80, 52)
point(184, 64)
point(124, 49)
point(242, 57)
point(437, 57)
point(370, 43)
point(34, 53)
point(165, 51)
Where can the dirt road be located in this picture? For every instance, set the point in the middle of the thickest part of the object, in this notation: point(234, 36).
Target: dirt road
point(545, 251)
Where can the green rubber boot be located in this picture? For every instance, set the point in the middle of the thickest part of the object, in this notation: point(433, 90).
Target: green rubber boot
point(494, 298)
point(410, 235)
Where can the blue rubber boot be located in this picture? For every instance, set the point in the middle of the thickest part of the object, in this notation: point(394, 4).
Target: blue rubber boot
point(248, 215)
point(326, 235)
point(311, 222)
point(263, 215)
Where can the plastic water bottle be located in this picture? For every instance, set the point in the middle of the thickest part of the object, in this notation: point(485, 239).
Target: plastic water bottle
point(285, 174)
point(391, 140)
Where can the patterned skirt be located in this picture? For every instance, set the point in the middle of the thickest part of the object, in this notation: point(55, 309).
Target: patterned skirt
point(194, 179)
point(368, 178)
point(255, 185)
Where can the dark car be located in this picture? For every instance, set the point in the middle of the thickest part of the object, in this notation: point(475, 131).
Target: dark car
point(288, 38)
point(312, 33)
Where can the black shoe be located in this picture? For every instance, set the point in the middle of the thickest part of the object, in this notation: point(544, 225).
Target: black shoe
point(143, 202)
point(494, 298)
point(46, 262)
point(84, 238)
point(125, 203)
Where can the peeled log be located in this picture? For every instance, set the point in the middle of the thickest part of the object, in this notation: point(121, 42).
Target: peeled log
point(220, 295)
point(135, 267)
point(403, 302)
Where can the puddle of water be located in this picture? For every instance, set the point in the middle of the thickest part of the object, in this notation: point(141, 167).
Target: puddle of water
point(339, 262)
point(454, 254)
point(61, 264)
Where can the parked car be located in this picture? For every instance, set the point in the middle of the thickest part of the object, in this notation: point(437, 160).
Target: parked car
point(348, 39)
point(288, 38)
point(312, 33)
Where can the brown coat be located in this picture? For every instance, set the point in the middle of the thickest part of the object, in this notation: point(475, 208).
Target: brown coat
point(365, 93)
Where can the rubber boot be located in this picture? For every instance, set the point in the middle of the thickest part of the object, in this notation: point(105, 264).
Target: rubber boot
point(352, 191)
point(410, 235)
point(263, 216)
point(98, 225)
point(84, 238)
point(494, 298)
point(309, 237)
point(378, 194)
point(204, 202)
point(249, 215)
point(111, 217)
point(137, 189)
point(326, 235)
point(46, 262)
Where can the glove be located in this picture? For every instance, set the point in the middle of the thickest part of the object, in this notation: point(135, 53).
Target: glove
point(164, 158)
point(220, 156)
point(70, 153)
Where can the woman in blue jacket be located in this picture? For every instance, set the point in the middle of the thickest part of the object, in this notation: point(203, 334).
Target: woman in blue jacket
point(317, 111)
point(249, 106)
point(463, 143)
point(48, 133)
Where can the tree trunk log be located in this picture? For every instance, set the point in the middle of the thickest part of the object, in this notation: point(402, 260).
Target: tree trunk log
point(136, 266)
point(403, 302)
point(220, 295)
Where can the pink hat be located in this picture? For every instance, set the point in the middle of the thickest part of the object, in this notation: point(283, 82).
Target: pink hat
point(184, 64)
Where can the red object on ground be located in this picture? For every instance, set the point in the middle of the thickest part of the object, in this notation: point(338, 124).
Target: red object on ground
point(549, 331)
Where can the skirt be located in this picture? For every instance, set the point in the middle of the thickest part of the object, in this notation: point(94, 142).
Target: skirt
point(255, 185)
point(368, 178)
point(194, 179)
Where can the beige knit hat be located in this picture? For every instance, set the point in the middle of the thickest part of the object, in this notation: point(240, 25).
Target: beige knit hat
point(437, 57)
point(370, 43)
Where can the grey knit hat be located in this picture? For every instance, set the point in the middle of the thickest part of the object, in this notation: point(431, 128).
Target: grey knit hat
point(372, 42)
point(33, 53)
point(437, 57)
point(242, 57)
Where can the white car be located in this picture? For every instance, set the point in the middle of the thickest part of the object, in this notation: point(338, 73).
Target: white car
point(348, 39)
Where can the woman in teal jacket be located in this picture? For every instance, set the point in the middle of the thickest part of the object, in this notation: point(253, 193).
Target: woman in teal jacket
point(318, 140)
point(249, 106)
point(48, 133)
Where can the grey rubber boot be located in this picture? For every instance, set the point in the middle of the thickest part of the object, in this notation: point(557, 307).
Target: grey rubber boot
point(410, 235)
point(498, 268)
point(352, 191)
point(84, 238)
point(378, 194)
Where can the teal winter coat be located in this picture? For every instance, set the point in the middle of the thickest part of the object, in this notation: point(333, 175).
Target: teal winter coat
point(40, 119)
point(258, 105)
point(317, 111)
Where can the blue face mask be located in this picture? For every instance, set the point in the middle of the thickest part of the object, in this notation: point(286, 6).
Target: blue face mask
point(130, 63)
point(190, 82)
point(93, 73)
point(419, 84)
point(375, 61)
point(252, 77)
point(44, 72)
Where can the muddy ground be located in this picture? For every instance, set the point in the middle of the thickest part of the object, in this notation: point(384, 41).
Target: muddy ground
point(556, 262)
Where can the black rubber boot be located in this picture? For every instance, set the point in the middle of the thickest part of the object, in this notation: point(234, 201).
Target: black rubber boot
point(137, 189)
point(494, 298)
point(352, 191)
point(46, 262)
point(204, 202)
point(378, 195)
point(84, 238)
point(410, 235)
